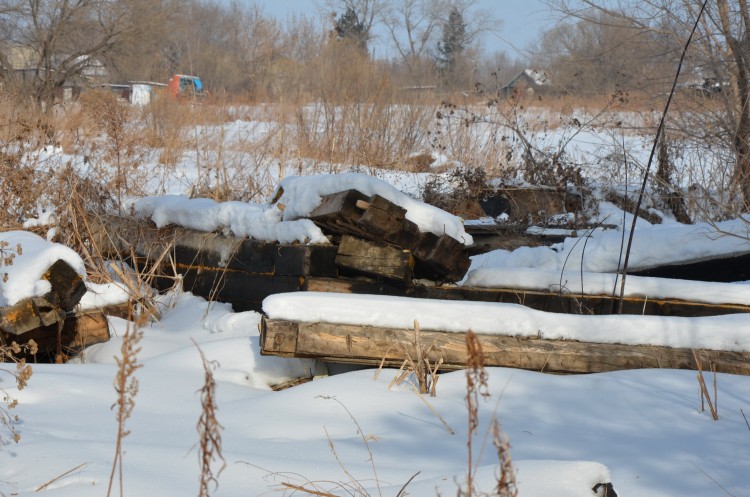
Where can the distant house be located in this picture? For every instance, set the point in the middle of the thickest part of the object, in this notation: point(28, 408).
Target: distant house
point(25, 64)
point(527, 82)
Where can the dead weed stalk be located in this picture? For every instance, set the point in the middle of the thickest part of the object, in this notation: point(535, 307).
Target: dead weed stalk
point(209, 430)
point(21, 374)
point(126, 386)
point(476, 387)
point(713, 405)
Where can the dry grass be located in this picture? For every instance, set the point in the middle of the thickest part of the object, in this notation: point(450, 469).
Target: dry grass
point(418, 365)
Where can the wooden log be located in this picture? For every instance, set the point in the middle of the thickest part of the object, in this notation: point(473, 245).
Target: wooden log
point(375, 259)
point(370, 345)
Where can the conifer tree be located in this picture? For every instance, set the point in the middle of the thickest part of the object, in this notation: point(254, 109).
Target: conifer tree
point(453, 42)
point(349, 27)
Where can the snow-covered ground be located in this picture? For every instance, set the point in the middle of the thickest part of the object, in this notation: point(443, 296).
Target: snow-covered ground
point(643, 429)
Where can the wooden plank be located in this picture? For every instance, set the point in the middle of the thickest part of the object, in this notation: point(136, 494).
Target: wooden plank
point(339, 213)
point(376, 259)
point(88, 328)
point(66, 283)
point(30, 314)
point(543, 301)
point(304, 260)
point(195, 249)
point(371, 345)
point(441, 258)
point(281, 340)
point(382, 217)
point(722, 269)
point(244, 291)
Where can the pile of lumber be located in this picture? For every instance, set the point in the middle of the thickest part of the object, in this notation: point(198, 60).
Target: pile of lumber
point(52, 321)
point(372, 243)
point(377, 239)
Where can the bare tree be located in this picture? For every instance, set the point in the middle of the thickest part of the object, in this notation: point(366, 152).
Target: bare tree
point(412, 25)
point(64, 38)
point(604, 53)
point(719, 56)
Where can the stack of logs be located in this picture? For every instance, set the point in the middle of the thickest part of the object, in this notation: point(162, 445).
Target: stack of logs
point(376, 238)
point(51, 320)
point(373, 249)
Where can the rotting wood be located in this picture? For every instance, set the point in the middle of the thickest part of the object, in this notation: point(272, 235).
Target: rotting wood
point(30, 314)
point(195, 249)
point(65, 337)
point(375, 259)
point(66, 283)
point(370, 345)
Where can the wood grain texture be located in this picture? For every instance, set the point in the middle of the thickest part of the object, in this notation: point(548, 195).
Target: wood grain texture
point(370, 345)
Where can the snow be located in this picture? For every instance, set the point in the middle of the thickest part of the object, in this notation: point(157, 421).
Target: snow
point(728, 332)
point(641, 428)
point(600, 250)
point(301, 195)
point(239, 218)
point(576, 282)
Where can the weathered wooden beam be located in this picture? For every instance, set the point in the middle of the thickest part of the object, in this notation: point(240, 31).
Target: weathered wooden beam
point(30, 314)
point(441, 258)
point(120, 235)
point(375, 259)
point(543, 301)
point(372, 345)
point(63, 338)
point(66, 283)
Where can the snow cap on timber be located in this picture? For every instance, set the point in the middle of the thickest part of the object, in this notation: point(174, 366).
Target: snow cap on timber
point(574, 282)
point(599, 251)
point(240, 218)
point(302, 194)
point(25, 259)
point(729, 332)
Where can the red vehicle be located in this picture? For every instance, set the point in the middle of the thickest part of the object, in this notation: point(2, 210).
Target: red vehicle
point(185, 86)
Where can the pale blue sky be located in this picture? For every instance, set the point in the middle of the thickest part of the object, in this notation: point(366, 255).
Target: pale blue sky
point(522, 20)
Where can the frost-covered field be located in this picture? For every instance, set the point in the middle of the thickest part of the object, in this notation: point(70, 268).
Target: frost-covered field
point(353, 433)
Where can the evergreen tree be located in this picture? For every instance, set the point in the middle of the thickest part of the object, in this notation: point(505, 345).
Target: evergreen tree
point(454, 41)
point(348, 26)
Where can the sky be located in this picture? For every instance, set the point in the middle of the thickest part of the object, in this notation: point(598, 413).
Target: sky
point(522, 21)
